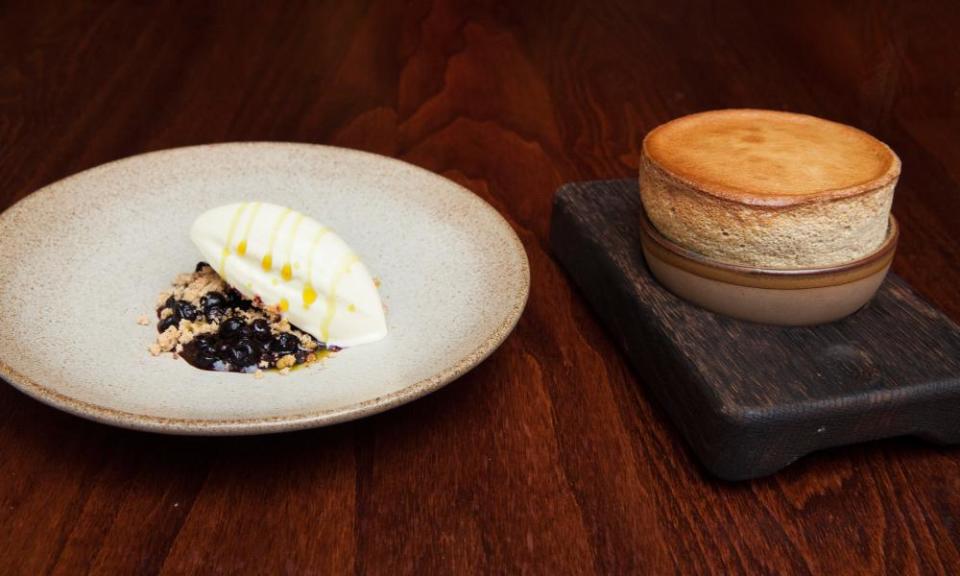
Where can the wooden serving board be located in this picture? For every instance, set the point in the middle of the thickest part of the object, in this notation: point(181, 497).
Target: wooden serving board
point(752, 398)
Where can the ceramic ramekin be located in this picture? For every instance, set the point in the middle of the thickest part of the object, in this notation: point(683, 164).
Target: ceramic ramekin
point(794, 297)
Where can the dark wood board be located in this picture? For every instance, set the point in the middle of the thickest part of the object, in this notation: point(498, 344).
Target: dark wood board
point(752, 398)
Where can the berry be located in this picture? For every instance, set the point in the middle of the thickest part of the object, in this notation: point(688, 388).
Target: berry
point(213, 304)
point(260, 330)
point(243, 353)
point(235, 299)
point(205, 343)
point(167, 322)
point(186, 310)
point(205, 360)
point(285, 343)
point(170, 303)
point(230, 327)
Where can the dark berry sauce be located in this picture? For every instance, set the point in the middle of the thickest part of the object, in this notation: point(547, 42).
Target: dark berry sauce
point(239, 344)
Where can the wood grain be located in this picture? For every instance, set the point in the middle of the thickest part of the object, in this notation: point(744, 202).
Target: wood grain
point(549, 458)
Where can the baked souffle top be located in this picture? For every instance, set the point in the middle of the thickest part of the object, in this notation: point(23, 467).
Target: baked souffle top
point(768, 188)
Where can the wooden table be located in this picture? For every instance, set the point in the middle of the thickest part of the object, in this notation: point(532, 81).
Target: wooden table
point(549, 458)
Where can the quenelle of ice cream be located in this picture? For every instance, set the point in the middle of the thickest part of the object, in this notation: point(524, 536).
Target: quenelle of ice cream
point(289, 260)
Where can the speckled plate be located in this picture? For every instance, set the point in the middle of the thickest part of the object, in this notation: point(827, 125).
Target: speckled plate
point(83, 258)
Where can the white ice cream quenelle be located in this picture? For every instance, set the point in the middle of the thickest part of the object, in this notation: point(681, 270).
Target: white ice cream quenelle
point(291, 261)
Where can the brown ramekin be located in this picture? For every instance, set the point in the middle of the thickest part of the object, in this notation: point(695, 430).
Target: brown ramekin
point(793, 297)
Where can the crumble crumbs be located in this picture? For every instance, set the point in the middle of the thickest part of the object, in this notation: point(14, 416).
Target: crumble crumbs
point(286, 361)
point(214, 327)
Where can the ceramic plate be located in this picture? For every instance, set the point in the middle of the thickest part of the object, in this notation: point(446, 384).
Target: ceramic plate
point(83, 258)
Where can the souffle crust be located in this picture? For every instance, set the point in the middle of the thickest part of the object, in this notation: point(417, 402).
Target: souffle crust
point(768, 189)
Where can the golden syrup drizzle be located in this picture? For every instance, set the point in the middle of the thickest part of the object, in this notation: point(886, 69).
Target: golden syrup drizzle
point(267, 262)
point(242, 246)
point(234, 221)
point(287, 271)
point(318, 356)
point(332, 296)
point(309, 296)
point(309, 292)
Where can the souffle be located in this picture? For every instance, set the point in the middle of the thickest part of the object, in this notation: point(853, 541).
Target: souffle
point(768, 189)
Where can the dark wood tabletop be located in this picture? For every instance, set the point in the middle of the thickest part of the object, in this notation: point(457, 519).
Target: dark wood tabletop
point(550, 457)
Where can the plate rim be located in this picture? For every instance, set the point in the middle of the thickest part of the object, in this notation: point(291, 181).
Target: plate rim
point(282, 423)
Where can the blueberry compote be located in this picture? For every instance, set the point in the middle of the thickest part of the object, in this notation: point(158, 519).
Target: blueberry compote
point(244, 338)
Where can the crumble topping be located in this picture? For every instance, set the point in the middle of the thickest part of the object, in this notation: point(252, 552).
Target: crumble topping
point(213, 327)
point(286, 361)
